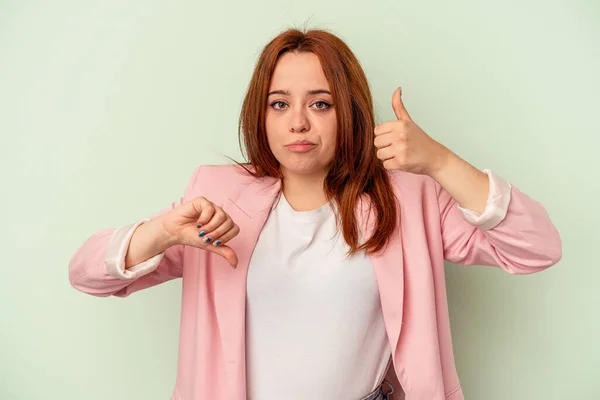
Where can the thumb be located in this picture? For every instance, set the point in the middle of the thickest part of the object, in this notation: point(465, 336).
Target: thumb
point(398, 106)
point(226, 252)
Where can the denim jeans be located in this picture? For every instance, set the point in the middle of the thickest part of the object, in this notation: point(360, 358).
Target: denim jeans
point(380, 393)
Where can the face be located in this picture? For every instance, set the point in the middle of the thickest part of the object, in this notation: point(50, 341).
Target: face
point(300, 118)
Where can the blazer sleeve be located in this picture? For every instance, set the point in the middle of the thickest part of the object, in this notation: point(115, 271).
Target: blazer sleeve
point(98, 266)
point(514, 232)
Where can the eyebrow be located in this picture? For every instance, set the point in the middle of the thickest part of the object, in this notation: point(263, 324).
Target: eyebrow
point(308, 92)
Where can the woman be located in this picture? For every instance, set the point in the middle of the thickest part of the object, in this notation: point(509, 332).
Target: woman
point(337, 231)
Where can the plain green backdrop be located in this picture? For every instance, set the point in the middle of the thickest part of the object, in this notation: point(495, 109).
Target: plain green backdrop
point(107, 106)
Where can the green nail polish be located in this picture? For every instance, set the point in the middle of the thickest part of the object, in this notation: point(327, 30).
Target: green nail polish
point(202, 234)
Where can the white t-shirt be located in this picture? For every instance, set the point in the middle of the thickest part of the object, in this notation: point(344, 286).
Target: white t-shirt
point(314, 325)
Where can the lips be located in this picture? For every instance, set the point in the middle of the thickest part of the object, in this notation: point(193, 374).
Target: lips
point(301, 146)
point(301, 142)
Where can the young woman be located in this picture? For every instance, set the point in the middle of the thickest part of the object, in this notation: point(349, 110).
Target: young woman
point(317, 268)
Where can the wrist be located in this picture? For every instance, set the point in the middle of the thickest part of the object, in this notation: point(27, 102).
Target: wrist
point(441, 162)
point(149, 239)
point(163, 239)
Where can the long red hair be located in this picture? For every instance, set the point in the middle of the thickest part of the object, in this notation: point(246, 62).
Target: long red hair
point(356, 171)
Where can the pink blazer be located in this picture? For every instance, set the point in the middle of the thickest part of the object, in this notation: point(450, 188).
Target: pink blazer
point(515, 234)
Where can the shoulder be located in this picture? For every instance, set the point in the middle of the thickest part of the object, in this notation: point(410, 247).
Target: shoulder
point(223, 174)
point(219, 180)
point(409, 184)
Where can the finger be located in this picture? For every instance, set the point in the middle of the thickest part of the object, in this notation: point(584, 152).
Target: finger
point(386, 153)
point(211, 236)
point(392, 163)
point(227, 236)
point(226, 252)
point(222, 250)
point(398, 106)
point(207, 210)
point(383, 140)
point(217, 217)
point(386, 127)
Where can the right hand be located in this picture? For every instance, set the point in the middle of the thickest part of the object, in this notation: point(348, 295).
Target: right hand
point(182, 223)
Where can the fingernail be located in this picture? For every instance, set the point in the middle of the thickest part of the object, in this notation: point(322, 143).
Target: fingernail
point(233, 266)
point(199, 226)
point(218, 242)
point(202, 234)
point(400, 90)
point(208, 239)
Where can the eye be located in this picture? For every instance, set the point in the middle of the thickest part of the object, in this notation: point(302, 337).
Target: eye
point(278, 105)
point(322, 105)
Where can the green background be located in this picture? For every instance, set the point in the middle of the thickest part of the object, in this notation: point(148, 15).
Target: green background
point(107, 106)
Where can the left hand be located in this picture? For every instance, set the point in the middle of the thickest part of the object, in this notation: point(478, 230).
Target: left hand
point(403, 145)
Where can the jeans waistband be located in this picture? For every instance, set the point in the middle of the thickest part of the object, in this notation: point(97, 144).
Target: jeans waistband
point(380, 393)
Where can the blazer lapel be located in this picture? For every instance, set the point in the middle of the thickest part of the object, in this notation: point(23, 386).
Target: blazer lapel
point(249, 211)
point(388, 265)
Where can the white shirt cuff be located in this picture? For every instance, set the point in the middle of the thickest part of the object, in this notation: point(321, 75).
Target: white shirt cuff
point(117, 250)
point(496, 205)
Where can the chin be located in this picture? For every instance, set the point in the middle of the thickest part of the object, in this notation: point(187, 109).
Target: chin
point(296, 169)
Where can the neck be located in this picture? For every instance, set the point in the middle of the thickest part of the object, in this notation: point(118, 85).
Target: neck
point(304, 192)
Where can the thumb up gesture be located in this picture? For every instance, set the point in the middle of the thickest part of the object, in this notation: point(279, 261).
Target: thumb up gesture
point(403, 145)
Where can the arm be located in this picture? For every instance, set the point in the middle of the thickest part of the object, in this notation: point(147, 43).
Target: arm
point(148, 240)
point(513, 231)
point(467, 185)
point(98, 267)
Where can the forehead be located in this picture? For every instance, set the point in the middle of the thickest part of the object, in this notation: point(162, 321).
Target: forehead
point(298, 70)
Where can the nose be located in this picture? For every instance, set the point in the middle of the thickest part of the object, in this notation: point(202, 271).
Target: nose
point(299, 121)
